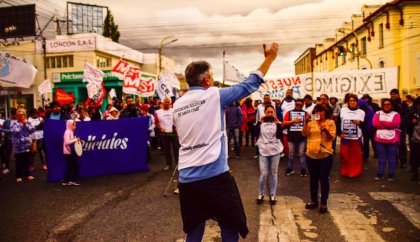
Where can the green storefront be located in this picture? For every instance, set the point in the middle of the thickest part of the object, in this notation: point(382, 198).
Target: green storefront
point(72, 82)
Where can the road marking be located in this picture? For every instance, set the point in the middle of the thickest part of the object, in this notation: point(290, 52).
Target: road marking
point(353, 225)
point(78, 216)
point(407, 204)
point(277, 223)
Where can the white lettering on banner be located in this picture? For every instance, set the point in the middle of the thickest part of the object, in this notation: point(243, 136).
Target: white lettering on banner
point(104, 143)
point(65, 45)
point(376, 82)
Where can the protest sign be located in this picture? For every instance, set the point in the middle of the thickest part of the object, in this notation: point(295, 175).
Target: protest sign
point(109, 147)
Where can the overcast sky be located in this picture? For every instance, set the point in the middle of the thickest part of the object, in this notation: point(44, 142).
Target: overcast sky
point(205, 28)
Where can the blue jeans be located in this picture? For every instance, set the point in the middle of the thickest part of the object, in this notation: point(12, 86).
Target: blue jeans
point(386, 152)
point(196, 235)
point(297, 150)
point(233, 133)
point(268, 167)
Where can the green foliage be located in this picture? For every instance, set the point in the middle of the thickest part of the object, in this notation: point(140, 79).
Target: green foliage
point(110, 28)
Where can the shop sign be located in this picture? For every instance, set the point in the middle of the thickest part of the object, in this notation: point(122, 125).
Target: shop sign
point(70, 45)
point(78, 76)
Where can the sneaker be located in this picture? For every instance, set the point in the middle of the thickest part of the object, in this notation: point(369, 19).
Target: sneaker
point(273, 200)
point(65, 183)
point(238, 157)
point(378, 178)
point(159, 148)
point(303, 173)
point(19, 180)
point(30, 178)
point(256, 157)
point(6, 171)
point(176, 191)
point(289, 172)
point(75, 183)
point(44, 167)
point(260, 199)
point(391, 179)
point(166, 168)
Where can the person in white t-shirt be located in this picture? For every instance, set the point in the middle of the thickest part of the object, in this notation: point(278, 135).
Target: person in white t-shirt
point(207, 189)
point(269, 132)
point(350, 122)
point(164, 121)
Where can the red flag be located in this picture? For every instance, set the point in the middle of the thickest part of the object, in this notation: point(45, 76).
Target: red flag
point(63, 97)
point(120, 69)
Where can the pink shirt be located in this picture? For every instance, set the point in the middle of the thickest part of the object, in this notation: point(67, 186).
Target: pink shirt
point(387, 125)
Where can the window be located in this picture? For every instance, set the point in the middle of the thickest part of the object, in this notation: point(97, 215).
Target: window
point(63, 61)
point(364, 46)
point(381, 35)
point(103, 61)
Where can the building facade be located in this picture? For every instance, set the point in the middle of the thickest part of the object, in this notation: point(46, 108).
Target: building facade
point(65, 58)
point(381, 36)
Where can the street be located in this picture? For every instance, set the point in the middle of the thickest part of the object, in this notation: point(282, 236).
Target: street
point(131, 207)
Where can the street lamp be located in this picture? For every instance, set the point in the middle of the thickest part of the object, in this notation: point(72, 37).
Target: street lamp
point(358, 55)
point(162, 44)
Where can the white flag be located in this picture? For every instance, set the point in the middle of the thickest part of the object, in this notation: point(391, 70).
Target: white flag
point(92, 74)
point(16, 71)
point(232, 74)
point(163, 89)
point(45, 87)
point(169, 78)
point(111, 95)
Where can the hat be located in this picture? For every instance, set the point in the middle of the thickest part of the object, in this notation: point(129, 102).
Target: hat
point(113, 109)
point(145, 107)
point(395, 91)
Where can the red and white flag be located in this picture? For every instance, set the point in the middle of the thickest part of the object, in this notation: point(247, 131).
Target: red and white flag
point(135, 84)
point(120, 69)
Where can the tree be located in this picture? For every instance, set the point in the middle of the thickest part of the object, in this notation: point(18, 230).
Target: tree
point(110, 28)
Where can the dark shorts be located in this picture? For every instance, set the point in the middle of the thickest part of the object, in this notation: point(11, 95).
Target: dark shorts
point(214, 198)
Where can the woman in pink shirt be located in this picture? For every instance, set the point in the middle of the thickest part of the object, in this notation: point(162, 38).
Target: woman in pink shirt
point(387, 137)
point(72, 171)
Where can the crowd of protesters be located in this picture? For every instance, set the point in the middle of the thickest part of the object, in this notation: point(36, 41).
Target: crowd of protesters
point(361, 124)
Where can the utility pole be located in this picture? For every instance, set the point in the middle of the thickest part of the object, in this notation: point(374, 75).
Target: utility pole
point(162, 44)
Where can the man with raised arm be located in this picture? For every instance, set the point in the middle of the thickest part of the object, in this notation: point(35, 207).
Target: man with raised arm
point(207, 189)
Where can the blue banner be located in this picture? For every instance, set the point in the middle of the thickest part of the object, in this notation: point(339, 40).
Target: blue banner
point(109, 147)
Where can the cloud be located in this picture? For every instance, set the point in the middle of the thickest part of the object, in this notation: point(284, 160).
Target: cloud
point(205, 28)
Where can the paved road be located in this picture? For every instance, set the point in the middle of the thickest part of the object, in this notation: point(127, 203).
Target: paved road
point(131, 208)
